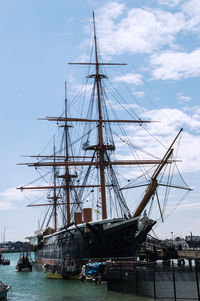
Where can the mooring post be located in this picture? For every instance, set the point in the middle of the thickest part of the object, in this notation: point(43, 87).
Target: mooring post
point(121, 284)
point(136, 280)
point(197, 279)
point(154, 283)
point(174, 280)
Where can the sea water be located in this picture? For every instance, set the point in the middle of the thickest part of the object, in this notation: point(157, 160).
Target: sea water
point(34, 286)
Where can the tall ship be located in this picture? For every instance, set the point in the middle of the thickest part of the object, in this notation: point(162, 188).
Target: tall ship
point(89, 212)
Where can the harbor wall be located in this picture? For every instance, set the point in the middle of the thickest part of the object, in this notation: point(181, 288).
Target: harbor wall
point(160, 283)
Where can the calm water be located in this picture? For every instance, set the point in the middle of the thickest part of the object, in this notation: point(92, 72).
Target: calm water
point(33, 286)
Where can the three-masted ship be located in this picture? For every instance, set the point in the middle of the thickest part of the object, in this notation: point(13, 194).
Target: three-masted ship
point(116, 231)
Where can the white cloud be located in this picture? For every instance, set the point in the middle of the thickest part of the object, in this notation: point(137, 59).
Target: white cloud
point(139, 30)
point(13, 198)
point(190, 160)
point(175, 65)
point(129, 78)
point(123, 106)
point(175, 118)
point(188, 205)
point(171, 120)
point(182, 98)
point(170, 3)
point(139, 94)
point(12, 194)
point(8, 196)
point(83, 89)
point(4, 205)
point(113, 10)
point(148, 30)
point(191, 9)
point(195, 111)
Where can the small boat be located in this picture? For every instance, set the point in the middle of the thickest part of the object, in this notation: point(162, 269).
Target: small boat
point(52, 271)
point(24, 264)
point(93, 272)
point(4, 261)
point(68, 272)
point(3, 290)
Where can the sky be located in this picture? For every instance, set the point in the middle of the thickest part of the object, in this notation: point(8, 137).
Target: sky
point(159, 41)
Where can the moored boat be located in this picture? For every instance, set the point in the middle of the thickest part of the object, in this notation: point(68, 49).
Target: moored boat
point(4, 261)
point(52, 271)
point(93, 272)
point(23, 264)
point(69, 272)
point(3, 290)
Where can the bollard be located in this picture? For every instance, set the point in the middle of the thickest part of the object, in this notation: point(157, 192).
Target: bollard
point(154, 283)
point(121, 280)
point(136, 281)
point(197, 280)
point(174, 280)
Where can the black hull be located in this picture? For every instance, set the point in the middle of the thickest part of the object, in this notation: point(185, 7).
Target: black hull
point(93, 242)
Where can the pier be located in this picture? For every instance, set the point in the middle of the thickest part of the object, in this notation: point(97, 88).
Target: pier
point(164, 272)
point(189, 254)
point(154, 250)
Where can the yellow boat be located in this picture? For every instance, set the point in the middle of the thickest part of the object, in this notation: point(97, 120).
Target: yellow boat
point(54, 272)
point(53, 275)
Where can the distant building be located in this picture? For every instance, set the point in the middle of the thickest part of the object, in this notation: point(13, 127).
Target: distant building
point(17, 246)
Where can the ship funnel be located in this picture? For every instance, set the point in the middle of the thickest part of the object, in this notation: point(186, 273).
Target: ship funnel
point(78, 218)
point(87, 215)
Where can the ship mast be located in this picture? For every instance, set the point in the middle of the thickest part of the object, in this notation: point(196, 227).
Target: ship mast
point(153, 184)
point(100, 149)
point(100, 130)
point(54, 191)
point(67, 175)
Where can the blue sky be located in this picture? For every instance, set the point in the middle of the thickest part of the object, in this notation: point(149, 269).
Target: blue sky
point(159, 40)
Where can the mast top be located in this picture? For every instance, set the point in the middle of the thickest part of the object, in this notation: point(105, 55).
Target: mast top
point(96, 53)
